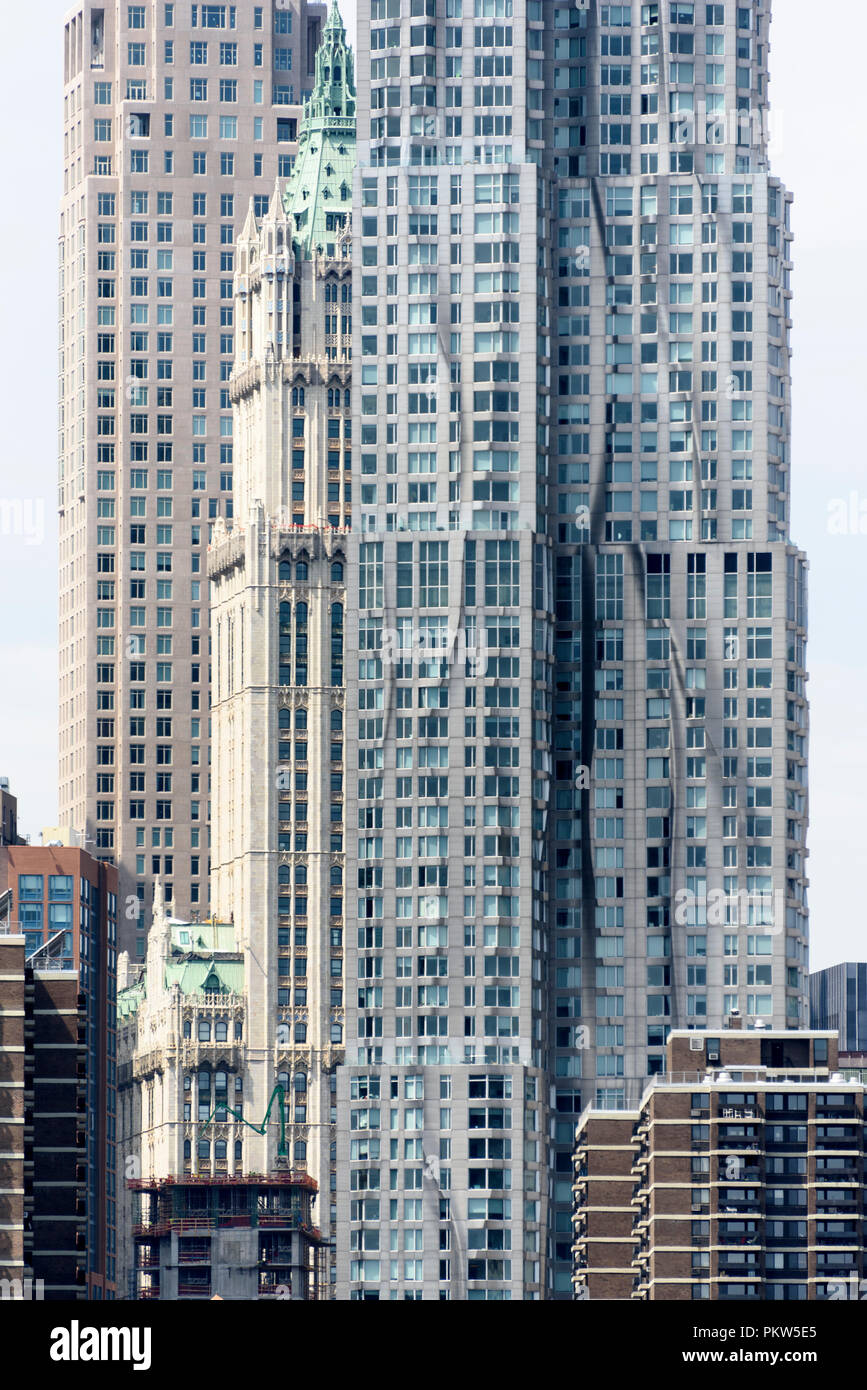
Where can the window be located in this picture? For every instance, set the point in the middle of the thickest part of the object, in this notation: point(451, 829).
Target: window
point(30, 887)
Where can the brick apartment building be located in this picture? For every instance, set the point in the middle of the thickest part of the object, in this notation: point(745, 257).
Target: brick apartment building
point(737, 1176)
point(58, 905)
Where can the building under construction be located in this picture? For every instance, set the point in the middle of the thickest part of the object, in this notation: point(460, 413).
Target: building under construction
point(247, 1236)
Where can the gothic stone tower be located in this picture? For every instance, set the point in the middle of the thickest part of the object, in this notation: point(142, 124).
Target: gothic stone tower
point(277, 627)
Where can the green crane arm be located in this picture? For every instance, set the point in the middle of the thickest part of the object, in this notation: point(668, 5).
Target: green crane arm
point(278, 1091)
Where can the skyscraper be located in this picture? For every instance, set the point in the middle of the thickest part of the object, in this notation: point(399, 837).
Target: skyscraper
point(232, 1035)
point(578, 714)
point(174, 116)
point(279, 591)
point(838, 999)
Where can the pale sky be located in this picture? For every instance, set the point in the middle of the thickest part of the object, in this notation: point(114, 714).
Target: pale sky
point(818, 130)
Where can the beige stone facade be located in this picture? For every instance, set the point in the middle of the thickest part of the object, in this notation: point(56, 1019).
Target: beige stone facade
point(175, 115)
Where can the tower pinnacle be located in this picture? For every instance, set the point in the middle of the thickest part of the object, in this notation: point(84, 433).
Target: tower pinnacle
point(319, 193)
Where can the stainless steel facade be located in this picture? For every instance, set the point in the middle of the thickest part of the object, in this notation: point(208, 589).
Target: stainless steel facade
point(577, 729)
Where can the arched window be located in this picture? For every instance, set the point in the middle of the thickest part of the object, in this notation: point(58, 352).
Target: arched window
point(285, 572)
point(301, 644)
point(283, 874)
point(221, 1030)
point(300, 1081)
point(337, 644)
point(285, 671)
point(285, 719)
point(346, 400)
point(300, 719)
point(301, 571)
point(336, 720)
point(337, 572)
point(301, 1032)
point(299, 1151)
point(239, 1151)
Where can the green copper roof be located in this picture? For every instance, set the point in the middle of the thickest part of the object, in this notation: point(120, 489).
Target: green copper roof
point(319, 193)
point(129, 999)
point(204, 958)
point(206, 976)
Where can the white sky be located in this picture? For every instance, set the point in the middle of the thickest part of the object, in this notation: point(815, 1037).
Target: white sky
point(819, 131)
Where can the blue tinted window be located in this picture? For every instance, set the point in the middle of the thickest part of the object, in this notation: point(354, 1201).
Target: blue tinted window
point(30, 887)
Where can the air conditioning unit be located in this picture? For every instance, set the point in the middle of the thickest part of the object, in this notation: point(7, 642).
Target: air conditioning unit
point(696, 1044)
point(713, 1056)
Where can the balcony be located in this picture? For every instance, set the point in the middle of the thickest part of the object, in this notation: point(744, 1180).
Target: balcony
point(838, 1111)
point(748, 1174)
point(839, 1265)
point(194, 1289)
point(750, 1238)
point(743, 1143)
point(194, 1252)
point(850, 1238)
point(850, 1173)
point(739, 1270)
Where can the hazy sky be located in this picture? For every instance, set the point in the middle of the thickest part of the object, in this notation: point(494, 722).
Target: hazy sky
point(818, 134)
